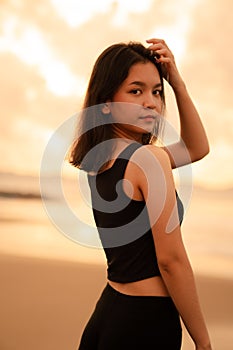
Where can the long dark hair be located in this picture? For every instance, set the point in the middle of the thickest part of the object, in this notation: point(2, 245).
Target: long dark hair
point(110, 70)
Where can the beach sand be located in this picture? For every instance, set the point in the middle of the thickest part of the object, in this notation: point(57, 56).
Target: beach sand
point(45, 303)
point(49, 284)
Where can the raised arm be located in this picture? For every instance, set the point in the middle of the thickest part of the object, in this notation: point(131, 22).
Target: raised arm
point(157, 186)
point(192, 134)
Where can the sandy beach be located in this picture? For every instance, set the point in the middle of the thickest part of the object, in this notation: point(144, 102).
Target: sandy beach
point(49, 284)
point(45, 304)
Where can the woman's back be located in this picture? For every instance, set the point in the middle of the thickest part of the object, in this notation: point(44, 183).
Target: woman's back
point(123, 223)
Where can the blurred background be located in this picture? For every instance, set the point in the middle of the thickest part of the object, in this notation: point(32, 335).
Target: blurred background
point(47, 51)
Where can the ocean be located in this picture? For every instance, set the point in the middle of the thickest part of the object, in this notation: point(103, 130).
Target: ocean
point(27, 228)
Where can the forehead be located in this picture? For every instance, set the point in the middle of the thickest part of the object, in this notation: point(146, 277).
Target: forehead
point(143, 72)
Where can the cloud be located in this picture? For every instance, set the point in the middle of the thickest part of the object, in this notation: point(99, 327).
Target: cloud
point(208, 69)
point(199, 36)
point(209, 64)
point(28, 114)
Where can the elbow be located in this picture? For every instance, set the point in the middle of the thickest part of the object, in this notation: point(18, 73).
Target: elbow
point(195, 156)
point(168, 264)
point(205, 150)
point(171, 263)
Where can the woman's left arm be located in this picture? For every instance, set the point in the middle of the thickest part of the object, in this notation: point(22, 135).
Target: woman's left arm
point(193, 144)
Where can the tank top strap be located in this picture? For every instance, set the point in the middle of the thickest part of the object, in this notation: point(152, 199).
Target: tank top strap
point(123, 158)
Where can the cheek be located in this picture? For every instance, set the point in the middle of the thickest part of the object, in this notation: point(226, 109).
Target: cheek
point(159, 105)
point(117, 112)
point(125, 112)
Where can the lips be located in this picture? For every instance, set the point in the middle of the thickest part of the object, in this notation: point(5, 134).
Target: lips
point(148, 117)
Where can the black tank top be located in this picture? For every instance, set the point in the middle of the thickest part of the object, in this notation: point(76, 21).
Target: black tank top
point(123, 224)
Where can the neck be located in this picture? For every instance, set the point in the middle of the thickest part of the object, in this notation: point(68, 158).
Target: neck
point(128, 136)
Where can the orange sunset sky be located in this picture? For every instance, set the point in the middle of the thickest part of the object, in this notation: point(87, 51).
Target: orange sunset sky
point(48, 48)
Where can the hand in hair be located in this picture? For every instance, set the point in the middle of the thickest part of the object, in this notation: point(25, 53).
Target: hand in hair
point(166, 58)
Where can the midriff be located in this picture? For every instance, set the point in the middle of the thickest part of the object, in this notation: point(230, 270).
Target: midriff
point(153, 286)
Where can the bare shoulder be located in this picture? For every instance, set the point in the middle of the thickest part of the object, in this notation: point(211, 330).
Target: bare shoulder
point(153, 171)
point(148, 155)
point(157, 151)
point(150, 167)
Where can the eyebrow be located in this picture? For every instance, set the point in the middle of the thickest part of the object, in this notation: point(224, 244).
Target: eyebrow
point(140, 83)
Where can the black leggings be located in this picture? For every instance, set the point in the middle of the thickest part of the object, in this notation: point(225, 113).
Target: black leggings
point(125, 322)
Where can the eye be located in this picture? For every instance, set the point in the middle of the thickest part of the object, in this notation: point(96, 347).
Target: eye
point(158, 92)
point(135, 92)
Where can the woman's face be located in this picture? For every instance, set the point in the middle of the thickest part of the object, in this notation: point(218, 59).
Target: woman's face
point(140, 99)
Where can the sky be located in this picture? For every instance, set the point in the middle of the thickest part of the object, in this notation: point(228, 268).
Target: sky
point(48, 48)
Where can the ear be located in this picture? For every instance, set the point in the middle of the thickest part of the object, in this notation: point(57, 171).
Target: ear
point(106, 109)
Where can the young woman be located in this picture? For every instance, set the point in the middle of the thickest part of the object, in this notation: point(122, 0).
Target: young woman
point(135, 204)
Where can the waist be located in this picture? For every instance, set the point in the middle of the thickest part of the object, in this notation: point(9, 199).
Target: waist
point(153, 286)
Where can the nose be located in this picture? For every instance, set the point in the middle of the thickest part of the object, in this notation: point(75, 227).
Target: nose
point(151, 102)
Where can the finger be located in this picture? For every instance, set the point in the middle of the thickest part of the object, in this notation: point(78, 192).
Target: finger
point(163, 59)
point(150, 41)
point(163, 52)
point(155, 40)
point(156, 46)
point(160, 46)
